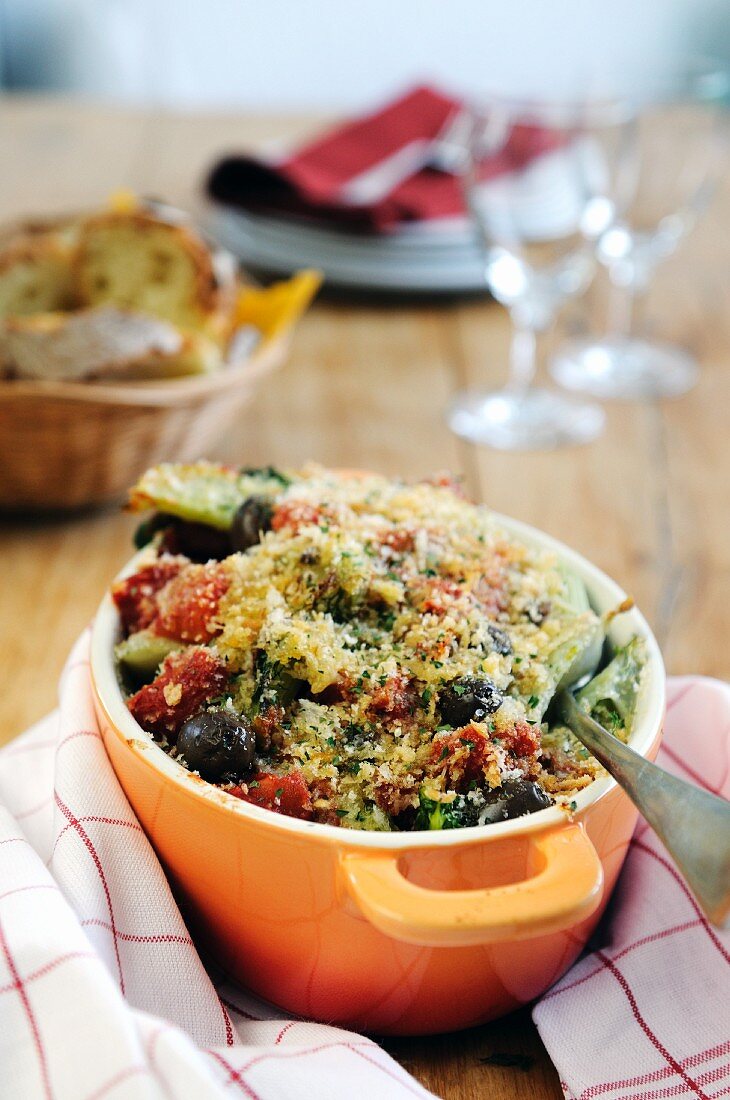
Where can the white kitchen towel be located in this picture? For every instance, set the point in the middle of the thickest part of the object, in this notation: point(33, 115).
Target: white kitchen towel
point(646, 1015)
point(102, 993)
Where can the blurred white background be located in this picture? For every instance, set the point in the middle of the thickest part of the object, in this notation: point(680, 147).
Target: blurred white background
point(335, 54)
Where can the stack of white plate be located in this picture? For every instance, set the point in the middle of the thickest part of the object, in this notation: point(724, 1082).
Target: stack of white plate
point(546, 202)
point(441, 257)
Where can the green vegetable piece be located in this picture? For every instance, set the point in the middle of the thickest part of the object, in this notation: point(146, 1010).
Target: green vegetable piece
point(610, 697)
point(370, 817)
point(143, 653)
point(267, 473)
point(574, 653)
point(577, 651)
point(202, 492)
point(575, 595)
point(275, 687)
point(444, 815)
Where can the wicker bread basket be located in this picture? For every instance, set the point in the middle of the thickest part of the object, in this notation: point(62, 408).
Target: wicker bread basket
point(68, 445)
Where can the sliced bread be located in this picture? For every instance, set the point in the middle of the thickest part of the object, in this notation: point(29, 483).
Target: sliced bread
point(135, 260)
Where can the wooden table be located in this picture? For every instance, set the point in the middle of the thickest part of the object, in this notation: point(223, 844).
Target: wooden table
point(366, 386)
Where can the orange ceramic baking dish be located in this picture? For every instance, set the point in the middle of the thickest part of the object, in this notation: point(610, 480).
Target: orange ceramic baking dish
point(395, 933)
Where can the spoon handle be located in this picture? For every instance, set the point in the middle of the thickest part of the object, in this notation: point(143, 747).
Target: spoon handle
point(693, 824)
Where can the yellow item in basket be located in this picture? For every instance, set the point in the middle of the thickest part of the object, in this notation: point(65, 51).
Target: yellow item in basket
point(123, 201)
point(274, 309)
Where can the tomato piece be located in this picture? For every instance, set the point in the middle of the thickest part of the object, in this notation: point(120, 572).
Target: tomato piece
point(339, 692)
point(187, 680)
point(188, 605)
point(490, 591)
point(444, 479)
point(397, 797)
point(136, 596)
point(464, 756)
point(284, 794)
point(467, 756)
point(401, 540)
point(522, 740)
point(396, 698)
point(294, 514)
point(267, 727)
point(441, 593)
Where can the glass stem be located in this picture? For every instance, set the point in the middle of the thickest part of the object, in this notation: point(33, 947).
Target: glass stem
point(624, 304)
point(523, 358)
point(621, 306)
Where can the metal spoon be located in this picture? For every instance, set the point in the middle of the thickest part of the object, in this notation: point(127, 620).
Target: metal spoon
point(693, 825)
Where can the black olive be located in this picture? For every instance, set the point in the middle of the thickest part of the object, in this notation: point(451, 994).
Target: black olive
point(196, 541)
point(500, 641)
point(251, 519)
point(468, 699)
point(217, 743)
point(199, 542)
point(514, 798)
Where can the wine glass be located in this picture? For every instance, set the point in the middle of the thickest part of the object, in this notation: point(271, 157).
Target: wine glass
point(531, 172)
point(661, 179)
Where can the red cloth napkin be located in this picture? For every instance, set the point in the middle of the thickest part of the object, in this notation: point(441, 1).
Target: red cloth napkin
point(381, 170)
point(102, 993)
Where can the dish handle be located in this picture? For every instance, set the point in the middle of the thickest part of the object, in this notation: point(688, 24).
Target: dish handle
point(564, 888)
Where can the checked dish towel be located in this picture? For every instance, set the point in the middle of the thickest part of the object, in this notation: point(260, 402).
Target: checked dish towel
point(103, 994)
point(646, 1016)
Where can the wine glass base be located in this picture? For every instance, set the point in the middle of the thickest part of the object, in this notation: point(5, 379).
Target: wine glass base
point(536, 420)
point(624, 369)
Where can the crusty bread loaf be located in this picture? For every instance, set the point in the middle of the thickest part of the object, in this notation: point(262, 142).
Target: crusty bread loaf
point(134, 260)
point(103, 342)
point(134, 292)
point(36, 274)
